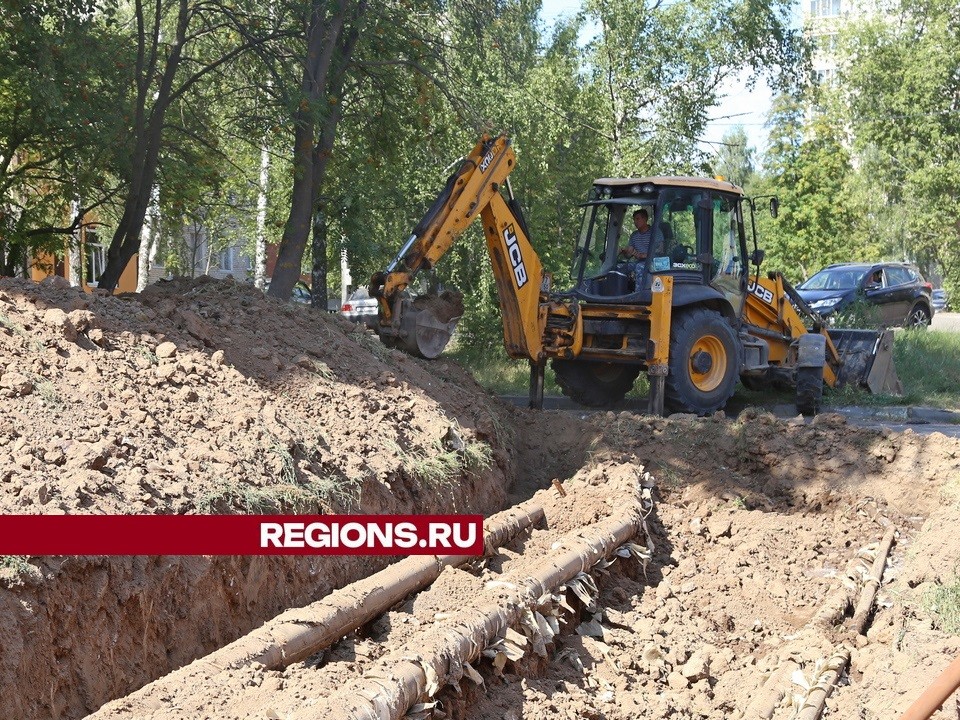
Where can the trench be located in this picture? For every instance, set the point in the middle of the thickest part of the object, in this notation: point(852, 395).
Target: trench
point(748, 540)
point(80, 631)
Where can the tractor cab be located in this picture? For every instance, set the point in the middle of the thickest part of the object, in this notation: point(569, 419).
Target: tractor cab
point(696, 236)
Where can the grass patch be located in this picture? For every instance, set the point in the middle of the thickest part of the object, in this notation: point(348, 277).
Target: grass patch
point(495, 371)
point(438, 466)
point(326, 494)
point(928, 364)
point(943, 603)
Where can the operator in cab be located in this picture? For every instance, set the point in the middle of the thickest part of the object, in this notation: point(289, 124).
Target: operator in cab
point(640, 239)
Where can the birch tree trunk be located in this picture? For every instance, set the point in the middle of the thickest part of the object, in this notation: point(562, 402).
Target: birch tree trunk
point(76, 257)
point(260, 254)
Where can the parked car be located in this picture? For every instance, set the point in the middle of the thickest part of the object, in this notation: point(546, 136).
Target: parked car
point(300, 294)
point(939, 300)
point(360, 307)
point(899, 292)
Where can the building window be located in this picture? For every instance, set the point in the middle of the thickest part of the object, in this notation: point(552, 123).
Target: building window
point(825, 76)
point(226, 260)
point(96, 258)
point(824, 8)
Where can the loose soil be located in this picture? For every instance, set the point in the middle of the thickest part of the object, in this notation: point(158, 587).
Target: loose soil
point(207, 397)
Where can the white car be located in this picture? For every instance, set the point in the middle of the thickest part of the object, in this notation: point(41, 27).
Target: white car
point(360, 307)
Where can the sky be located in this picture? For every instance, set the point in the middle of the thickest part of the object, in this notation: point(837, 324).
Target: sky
point(740, 106)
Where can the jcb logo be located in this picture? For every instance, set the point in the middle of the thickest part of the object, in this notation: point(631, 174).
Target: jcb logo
point(761, 292)
point(516, 257)
point(485, 163)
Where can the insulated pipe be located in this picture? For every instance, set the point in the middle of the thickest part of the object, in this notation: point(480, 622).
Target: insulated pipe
point(872, 583)
point(817, 697)
point(301, 632)
point(935, 695)
point(398, 681)
point(297, 634)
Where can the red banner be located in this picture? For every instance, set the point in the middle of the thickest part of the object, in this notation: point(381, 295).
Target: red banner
point(241, 534)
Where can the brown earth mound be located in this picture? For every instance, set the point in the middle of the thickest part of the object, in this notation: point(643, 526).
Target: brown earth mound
point(204, 397)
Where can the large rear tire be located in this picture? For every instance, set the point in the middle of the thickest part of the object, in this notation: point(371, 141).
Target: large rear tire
point(594, 384)
point(809, 390)
point(704, 362)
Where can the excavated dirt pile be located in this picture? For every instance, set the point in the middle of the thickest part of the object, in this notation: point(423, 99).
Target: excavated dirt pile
point(208, 397)
point(204, 397)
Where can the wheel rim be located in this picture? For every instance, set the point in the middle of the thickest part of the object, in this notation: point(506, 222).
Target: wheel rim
point(919, 317)
point(710, 379)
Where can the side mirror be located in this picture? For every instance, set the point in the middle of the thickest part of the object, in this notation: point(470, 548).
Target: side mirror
point(774, 206)
point(756, 257)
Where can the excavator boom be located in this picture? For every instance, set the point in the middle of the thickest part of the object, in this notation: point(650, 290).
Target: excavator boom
point(425, 324)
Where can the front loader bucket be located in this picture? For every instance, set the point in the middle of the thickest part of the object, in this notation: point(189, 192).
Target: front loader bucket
point(867, 360)
point(427, 323)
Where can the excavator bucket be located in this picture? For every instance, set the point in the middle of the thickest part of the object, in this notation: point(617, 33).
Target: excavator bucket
point(867, 360)
point(427, 323)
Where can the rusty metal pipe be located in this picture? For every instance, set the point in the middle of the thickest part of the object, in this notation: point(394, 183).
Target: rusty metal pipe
point(402, 678)
point(935, 695)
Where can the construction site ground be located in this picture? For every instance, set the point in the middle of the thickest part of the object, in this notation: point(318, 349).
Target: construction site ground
point(207, 397)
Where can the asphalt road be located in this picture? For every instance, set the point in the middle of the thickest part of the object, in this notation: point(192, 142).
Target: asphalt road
point(949, 321)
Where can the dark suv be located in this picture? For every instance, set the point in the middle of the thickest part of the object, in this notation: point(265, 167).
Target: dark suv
point(898, 290)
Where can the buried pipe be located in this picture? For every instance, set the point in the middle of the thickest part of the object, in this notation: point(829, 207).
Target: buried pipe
point(817, 697)
point(426, 663)
point(835, 605)
point(297, 634)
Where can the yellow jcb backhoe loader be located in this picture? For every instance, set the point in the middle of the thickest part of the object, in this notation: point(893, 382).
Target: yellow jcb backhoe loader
point(691, 316)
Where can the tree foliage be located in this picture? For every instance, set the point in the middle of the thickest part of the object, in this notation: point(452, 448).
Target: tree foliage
point(809, 167)
point(61, 76)
point(659, 67)
point(902, 81)
point(734, 160)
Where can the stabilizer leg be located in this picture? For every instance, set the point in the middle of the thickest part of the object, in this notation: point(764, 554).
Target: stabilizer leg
point(536, 384)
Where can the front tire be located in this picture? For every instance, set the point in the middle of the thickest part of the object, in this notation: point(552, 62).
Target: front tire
point(594, 384)
point(809, 390)
point(704, 362)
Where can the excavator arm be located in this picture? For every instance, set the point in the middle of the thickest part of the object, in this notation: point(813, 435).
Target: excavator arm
point(424, 325)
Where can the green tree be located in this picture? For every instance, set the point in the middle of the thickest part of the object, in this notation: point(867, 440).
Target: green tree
point(178, 46)
point(902, 82)
point(809, 167)
point(734, 159)
point(659, 67)
point(60, 84)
